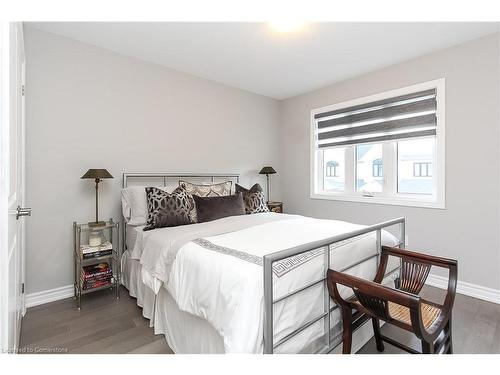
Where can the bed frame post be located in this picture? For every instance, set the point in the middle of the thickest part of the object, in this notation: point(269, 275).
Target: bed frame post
point(124, 225)
point(326, 298)
point(268, 305)
point(379, 245)
point(402, 234)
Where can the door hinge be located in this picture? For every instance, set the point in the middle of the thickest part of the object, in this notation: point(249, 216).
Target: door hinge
point(22, 90)
point(22, 288)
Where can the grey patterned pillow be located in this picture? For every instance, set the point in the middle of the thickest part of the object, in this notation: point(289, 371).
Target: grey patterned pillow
point(255, 200)
point(168, 210)
point(221, 189)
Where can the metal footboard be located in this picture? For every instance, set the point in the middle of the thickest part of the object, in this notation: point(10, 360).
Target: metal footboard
point(269, 301)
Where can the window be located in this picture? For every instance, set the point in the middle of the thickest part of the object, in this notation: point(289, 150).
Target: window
point(331, 168)
point(386, 148)
point(422, 169)
point(377, 168)
point(334, 175)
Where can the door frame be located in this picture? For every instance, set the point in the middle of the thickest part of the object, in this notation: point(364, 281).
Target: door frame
point(20, 31)
point(4, 180)
point(11, 35)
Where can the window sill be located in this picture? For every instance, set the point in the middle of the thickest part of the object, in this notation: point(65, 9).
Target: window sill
point(392, 201)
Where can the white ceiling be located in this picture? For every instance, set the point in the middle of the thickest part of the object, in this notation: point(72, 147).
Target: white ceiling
point(252, 57)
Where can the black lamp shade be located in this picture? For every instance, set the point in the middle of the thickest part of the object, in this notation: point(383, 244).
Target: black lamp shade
point(267, 170)
point(97, 173)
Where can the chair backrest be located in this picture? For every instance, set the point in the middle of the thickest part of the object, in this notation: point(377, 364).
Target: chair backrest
point(413, 276)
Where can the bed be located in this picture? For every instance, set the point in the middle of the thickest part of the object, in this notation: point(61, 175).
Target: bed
point(250, 283)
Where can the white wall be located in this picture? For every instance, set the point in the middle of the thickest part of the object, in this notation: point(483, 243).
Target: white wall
point(92, 108)
point(468, 229)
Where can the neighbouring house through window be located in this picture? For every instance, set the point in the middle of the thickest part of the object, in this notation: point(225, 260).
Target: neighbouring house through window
point(331, 168)
point(386, 148)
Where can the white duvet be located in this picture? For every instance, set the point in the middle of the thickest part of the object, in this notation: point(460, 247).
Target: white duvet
point(214, 271)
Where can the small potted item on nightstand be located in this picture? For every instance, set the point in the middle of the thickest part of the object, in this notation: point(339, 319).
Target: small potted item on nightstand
point(275, 207)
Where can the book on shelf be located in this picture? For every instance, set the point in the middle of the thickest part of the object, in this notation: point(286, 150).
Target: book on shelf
point(97, 254)
point(97, 284)
point(87, 249)
point(93, 270)
point(96, 278)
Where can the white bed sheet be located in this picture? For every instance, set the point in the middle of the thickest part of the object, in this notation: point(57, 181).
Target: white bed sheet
point(232, 304)
point(131, 234)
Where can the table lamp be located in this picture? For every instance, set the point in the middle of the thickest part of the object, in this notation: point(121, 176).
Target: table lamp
point(97, 175)
point(267, 171)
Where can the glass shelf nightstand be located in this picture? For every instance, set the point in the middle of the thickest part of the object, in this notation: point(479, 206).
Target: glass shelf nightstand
point(96, 258)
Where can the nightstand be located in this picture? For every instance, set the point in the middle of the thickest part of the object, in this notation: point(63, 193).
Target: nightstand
point(275, 207)
point(96, 258)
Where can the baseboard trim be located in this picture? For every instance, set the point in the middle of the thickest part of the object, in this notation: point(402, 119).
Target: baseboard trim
point(468, 289)
point(51, 295)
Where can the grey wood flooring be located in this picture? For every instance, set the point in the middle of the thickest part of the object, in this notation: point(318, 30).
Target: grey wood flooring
point(103, 325)
point(475, 324)
point(107, 325)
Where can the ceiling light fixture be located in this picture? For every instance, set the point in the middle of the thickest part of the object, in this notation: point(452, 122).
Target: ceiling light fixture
point(286, 26)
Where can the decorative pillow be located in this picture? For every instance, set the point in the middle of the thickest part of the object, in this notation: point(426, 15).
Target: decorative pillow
point(168, 210)
point(255, 200)
point(213, 190)
point(134, 204)
point(212, 208)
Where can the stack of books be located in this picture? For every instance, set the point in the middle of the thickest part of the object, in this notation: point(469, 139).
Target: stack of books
point(103, 249)
point(96, 275)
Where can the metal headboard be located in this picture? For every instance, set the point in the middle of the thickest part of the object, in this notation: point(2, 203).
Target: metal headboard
point(166, 177)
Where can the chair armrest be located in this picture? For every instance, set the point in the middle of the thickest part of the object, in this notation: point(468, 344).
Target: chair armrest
point(370, 288)
point(422, 258)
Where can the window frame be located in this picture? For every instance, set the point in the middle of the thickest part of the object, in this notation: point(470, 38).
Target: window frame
point(390, 195)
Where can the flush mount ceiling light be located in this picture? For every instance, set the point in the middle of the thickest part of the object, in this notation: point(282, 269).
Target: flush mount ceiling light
point(286, 26)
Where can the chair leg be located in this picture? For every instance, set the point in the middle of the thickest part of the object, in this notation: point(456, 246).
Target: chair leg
point(427, 347)
point(347, 330)
point(448, 329)
point(376, 332)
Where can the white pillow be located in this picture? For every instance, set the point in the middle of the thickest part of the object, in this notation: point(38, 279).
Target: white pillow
point(135, 205)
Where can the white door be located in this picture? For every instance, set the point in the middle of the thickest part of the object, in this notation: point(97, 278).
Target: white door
point(13, 180)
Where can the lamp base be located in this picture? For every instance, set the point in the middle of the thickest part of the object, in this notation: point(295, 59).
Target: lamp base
point(97, 224)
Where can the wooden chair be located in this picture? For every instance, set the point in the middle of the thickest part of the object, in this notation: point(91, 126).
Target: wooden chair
point(403, 307)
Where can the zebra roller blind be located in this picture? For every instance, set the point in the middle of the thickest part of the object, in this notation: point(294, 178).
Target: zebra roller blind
point(406, 116)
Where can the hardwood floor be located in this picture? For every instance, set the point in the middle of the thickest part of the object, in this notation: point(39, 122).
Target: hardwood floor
point(103, 325)
point(476, 327)
point(107, 325)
